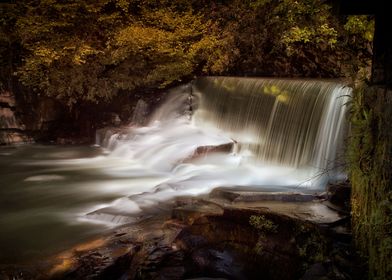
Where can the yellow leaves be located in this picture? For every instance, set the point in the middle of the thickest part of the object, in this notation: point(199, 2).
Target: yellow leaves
point(327, 34)
point(170, 72)
point(216, 51)
point(283, 98)
point(321, 34)
point(117, 50)
point(297, 34)
point(83, 52)
point(163, 36)
point(274, 90)
point(78, 54)
point(141, 36)
point(165, 46)
point(280, 95)
point(47, 55)
point(123, 5)
point(360, 25)
point(139, 40)
point(182, 24)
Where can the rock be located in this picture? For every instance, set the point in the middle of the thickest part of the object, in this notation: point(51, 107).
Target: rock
point(206, 278)
point(339, 196)
point(12, 131)
point(316, 271)
point(223, 148)
point(115, 119)
point(203, 151)
point(249, 196)
point(217, 263)
point(7, 100)
point(140, 112)
point(10, 137)
point(222, 193)
point(213, 238)
point(190, 212)
point(189, 241)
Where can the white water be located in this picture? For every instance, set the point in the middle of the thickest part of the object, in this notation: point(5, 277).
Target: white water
point(286, 135)
point(283, 141)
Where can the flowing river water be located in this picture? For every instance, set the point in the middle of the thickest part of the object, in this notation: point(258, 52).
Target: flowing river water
point(284, 135)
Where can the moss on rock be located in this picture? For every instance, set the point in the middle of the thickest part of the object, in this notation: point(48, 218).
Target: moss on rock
point(369, 154)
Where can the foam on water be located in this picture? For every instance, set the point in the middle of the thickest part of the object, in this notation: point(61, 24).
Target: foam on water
point(286, 136)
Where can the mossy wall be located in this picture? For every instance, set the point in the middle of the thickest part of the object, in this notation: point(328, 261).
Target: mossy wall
point(370, 171)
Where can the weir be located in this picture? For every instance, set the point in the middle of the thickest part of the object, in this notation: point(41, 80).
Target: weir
point(292, 123)
point(264, 135)
point(292, 130)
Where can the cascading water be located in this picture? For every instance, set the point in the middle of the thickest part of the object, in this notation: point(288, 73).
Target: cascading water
point(284, 136)
point(292, 123)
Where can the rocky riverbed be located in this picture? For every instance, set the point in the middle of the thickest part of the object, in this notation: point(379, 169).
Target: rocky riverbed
point(228, 234)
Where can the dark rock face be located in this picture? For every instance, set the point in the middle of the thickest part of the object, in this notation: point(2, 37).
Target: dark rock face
point(12, 131)
point(339, 196)
point(25, 118)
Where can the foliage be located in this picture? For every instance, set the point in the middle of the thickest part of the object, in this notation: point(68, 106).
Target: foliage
point(264, 227)
point(291, 38)
point(361, 27)
point(369, 154)
point(91, 51)
point(261, 223)
point(8, 42)
point(311, 244)
point(123, 45)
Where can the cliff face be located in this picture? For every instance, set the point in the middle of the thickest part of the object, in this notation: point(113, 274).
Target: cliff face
point(12, 130)
point(26, 117)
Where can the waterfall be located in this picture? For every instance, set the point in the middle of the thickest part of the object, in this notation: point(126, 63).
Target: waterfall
point(288, 122)
point(259, 134)
point(270, 135)
point(296, 125)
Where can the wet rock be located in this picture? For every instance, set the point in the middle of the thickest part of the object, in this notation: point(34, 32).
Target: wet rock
point(249, 196)
point(140, 112)
point(206, 278)
point(12, 131)
point(9, 137)
point(188, 241)
point(216, 263)
point(223, 148)
point(20, 273)
point(316, 271)
point(204, 151)
point(339, 197)
point(223, 193)
point(214, 238)
point(195, 210)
